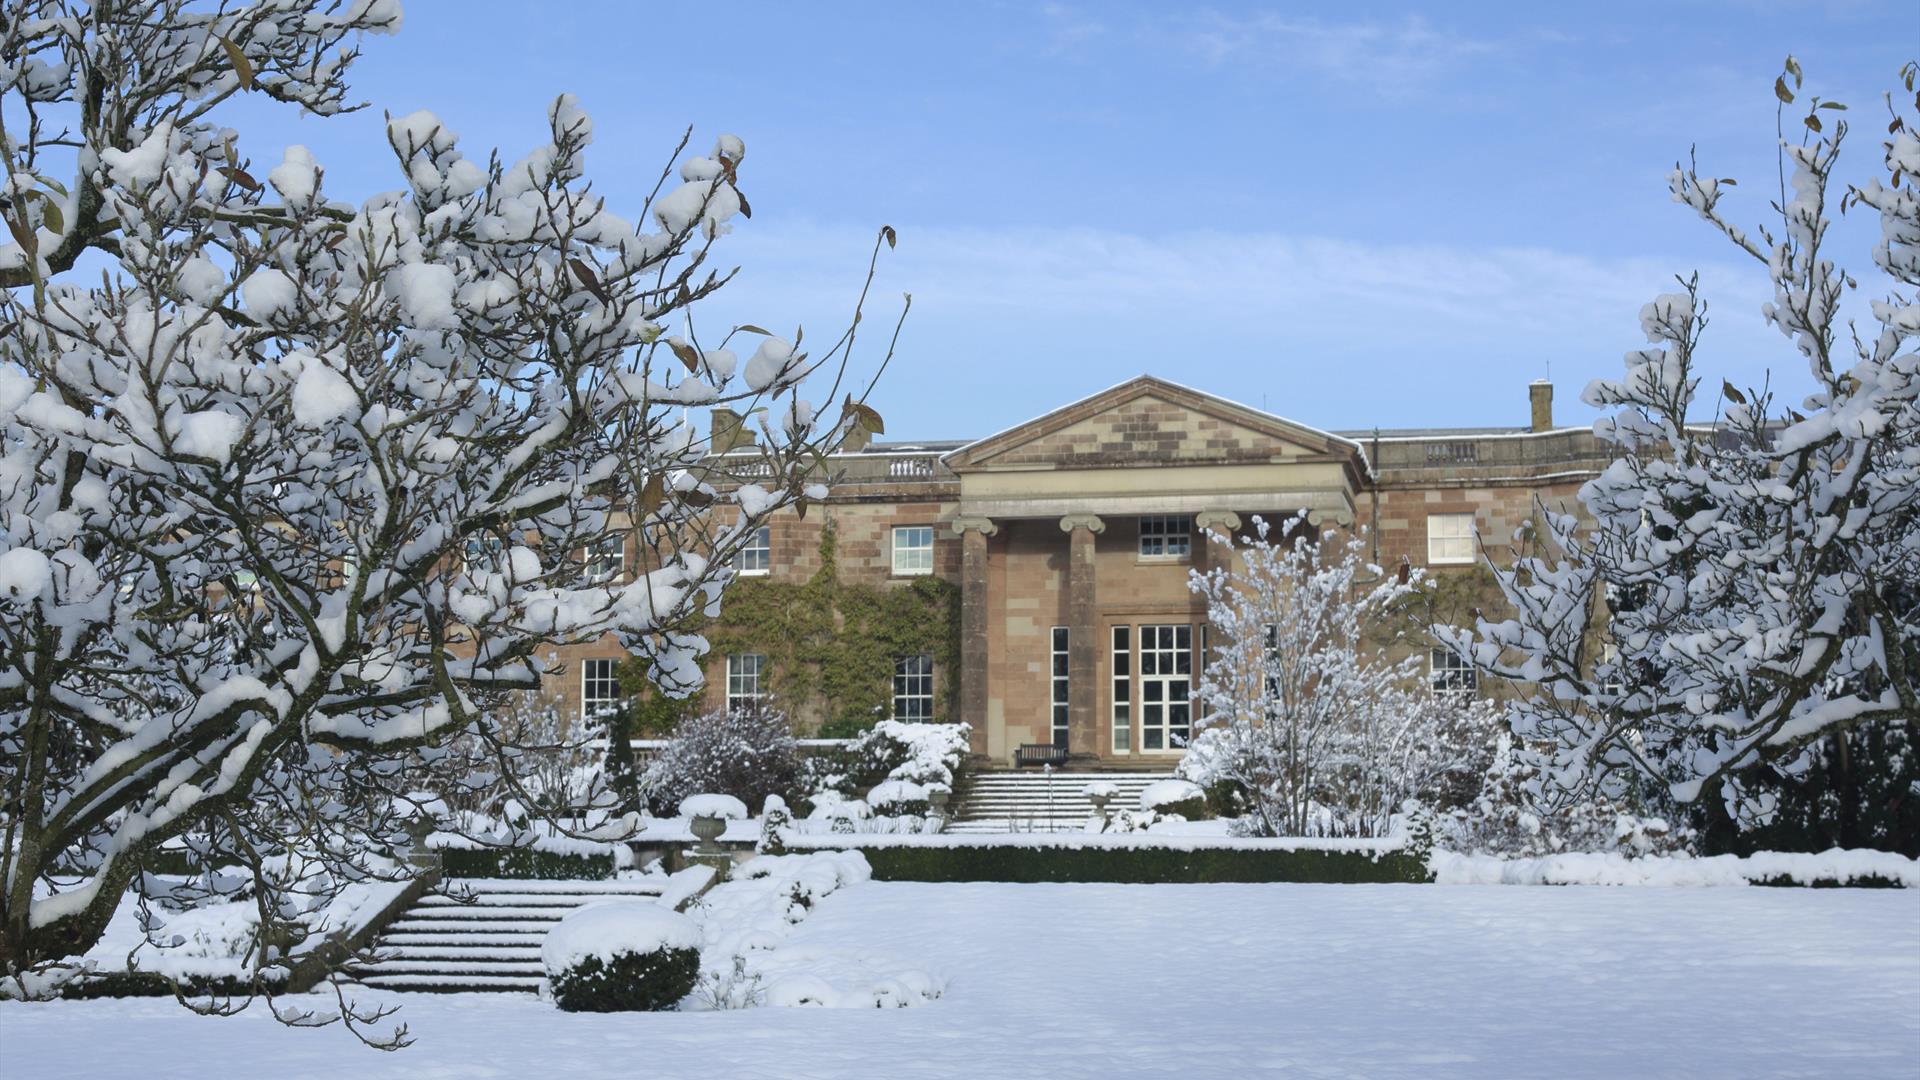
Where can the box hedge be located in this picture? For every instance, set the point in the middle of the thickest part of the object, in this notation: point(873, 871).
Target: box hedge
point(524, 863)
point(1139, 865)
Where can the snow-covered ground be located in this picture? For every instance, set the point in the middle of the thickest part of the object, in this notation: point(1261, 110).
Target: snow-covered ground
point(1106, 981)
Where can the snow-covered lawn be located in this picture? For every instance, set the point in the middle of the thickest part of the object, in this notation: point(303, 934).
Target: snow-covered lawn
point(1105, 981)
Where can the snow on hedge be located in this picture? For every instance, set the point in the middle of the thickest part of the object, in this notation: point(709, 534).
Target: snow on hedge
point(605, 930)
point(1074, 841)
point(891, 794)
point(1169, 792)
point(1587, 868)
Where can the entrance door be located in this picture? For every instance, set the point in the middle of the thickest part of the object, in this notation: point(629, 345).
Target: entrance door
point(1166, 681)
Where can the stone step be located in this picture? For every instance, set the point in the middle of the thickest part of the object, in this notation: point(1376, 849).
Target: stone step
point(456, 950)
point(467, 913)
point(482, 934)
point(440, 966)
point(524, 901)
point(454, 984)
point(416, 940)
point(569, 888)
point(410, 925)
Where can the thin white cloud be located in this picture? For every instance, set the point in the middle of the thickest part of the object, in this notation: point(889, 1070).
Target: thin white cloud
point(1384, 53)
point(1363, 332)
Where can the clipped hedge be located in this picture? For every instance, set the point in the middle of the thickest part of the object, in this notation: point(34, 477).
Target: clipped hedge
point(1865, 881)
point(630, 982)
point(124, 984)
point(524, 863)
point(1139, 865)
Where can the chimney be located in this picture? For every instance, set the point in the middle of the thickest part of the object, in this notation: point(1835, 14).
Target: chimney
point(855, 440)
point(1540, 395)
point(729, 431)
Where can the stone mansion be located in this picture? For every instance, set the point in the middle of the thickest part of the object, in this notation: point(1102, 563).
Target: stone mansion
point(1070, 538)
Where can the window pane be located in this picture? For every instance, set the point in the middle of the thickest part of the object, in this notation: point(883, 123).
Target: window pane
point(1450, 538)
point(756, 557)
point(913, 549)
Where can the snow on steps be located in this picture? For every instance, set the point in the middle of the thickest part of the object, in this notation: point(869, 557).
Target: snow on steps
point(1000, 802)
point(481, 934)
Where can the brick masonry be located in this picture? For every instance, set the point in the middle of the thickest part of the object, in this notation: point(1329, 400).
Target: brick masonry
point(1025, 579)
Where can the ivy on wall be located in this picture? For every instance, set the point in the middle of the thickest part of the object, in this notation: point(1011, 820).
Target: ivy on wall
point(830, 645)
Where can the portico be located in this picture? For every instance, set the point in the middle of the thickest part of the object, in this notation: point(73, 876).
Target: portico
point(1078, 530)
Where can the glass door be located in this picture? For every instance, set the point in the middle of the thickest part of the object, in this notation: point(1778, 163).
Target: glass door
point(1166, 681)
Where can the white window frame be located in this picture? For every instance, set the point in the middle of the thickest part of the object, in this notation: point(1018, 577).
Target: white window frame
point(1121, 724)
point(913, 688)
point(1061, 710)
point(606, 560)
point(746, 680)
point(911, 558)
point(1450, 539)
point(755, 557)
point(1166, 691)
point(1450, 673)
point(1166, 536)
point(599, 674)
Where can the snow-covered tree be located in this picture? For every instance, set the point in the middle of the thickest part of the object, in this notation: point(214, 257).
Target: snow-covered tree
point(292, 488)
point(749, 753)
point(1304, 710)
point(1759, 575)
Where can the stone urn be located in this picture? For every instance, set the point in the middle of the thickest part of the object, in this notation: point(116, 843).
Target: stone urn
point(707, 828)
point(419, 827)
point(937, 808)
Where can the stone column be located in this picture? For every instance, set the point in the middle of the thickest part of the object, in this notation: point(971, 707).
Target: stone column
point(1083, 645)
point(1207, 554)
point(973, 532)
point(1205, 557)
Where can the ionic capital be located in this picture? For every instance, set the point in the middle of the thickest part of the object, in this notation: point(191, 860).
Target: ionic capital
point(1219, 521)
point(1342, 516)
point(1089, 522)
point(966, 524)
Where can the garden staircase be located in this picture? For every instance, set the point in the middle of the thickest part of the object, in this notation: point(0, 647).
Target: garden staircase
point(481, 933)
point(1004, 802)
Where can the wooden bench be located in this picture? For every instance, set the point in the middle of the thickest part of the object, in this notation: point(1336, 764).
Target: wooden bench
point(1039, 754)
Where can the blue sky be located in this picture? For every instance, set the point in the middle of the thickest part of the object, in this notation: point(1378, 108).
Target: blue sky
point(1350, 214)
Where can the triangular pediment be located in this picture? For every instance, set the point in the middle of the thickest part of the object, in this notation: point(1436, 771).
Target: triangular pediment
point(1149, 422)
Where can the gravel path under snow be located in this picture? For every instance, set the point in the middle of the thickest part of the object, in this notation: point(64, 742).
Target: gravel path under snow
point(1113, 981)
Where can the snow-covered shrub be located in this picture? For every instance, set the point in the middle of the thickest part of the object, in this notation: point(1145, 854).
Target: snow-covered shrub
point(930, 756)
point(1308, 717)
point(1176, 796)
point(622, 956)
point(833, 806)
point(1508, 819)
point(746, 753)
point(732, 987)
point(775, 818)
point(899, 798)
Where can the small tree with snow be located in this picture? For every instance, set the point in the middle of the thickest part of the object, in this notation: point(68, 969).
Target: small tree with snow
point(1304, 711)
point(299, 487)
point(748, 753)
point(1759, 575)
